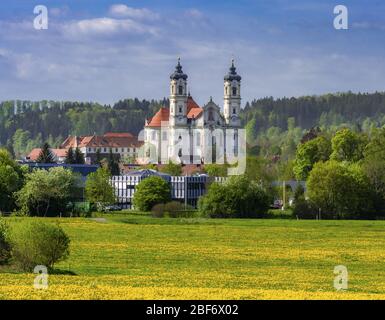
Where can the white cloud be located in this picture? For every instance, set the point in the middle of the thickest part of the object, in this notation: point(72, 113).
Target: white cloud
point(109, 58)
point(106, 26)
point(123, 11)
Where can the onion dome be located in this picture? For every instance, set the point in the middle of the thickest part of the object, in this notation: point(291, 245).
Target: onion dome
point(232, 75)
point(178, 73)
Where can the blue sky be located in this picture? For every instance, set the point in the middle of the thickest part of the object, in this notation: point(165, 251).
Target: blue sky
point(109, 50)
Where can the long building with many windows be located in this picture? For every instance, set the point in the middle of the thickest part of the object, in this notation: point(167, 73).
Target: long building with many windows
point(120, 144)
point(185, 189)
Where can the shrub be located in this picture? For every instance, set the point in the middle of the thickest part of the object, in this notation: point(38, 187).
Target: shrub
point(98, 188)
point(216, 170)
point(47, 192)
point(151, 191)
point(172, 169)
point(38, 243)
point(5, 246)
point(303, 209)
point(157, 211)
point(237, 198)
point(173, 209)
point(340, 190)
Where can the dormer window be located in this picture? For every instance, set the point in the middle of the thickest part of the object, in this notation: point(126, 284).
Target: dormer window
point(180, 90)
point(234, 91)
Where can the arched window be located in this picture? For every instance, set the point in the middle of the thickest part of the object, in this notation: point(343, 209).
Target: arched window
point(234, 91)
point(180, 109)
point(180, 90)
point(234, 112)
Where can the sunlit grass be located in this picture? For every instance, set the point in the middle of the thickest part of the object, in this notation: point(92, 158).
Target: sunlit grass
point(139, 257)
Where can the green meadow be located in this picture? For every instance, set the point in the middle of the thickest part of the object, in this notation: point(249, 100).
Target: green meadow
point(140, 257)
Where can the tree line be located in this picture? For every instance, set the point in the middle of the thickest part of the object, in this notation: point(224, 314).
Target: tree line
point(25, 125)
point(270, 122)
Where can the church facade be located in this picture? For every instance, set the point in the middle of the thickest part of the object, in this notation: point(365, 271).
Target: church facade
point(187, 133)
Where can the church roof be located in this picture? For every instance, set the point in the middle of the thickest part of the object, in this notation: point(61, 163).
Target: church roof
point(193, 111)
point(178, 73)
point(162, 115)
point(110, 140)
point(232, 75)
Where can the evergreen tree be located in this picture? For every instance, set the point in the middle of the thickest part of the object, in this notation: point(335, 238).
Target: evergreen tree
point(98, 157)
point(45, 155)
point(69, 156)
point(78, 157)
point(113, 164)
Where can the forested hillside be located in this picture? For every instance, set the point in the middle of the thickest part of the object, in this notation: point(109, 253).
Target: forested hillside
point(25, 124)
point(275, 126)
point(326, 110)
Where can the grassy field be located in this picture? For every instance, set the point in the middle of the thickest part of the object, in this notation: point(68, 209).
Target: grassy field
point(134, 257)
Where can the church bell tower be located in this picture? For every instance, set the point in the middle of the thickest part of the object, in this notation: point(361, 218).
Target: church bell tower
point(178, 97)
point(232, 97)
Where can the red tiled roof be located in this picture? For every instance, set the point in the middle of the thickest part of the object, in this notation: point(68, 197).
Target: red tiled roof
point(119, 134)
point(193, 111)
point(109, 140)
point(162, 115)
point(34, 154)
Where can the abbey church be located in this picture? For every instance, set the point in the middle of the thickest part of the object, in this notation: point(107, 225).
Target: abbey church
point(185, 132)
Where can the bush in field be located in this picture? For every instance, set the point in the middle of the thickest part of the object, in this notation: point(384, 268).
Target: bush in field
point(341, 190)
point(302, 208)
point(151, 191)
point(5, 246)
point(38, 243)
point(173, 209)
point(99, 189)
point(239, 197)
point(48, 192)
point(157, 211)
